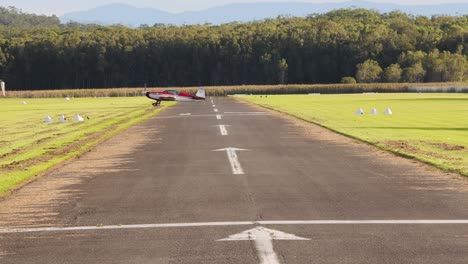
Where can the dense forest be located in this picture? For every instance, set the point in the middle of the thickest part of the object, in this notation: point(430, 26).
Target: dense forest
point(348, 45)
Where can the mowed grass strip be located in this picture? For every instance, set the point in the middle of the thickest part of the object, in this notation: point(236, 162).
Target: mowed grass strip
point(429, 127)
point(29, 146)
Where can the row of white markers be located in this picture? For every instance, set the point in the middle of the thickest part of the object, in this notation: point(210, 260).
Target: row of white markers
point(374, 111)
point(63, 119)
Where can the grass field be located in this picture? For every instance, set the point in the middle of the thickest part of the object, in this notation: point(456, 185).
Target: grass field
point(29, 146)
point(429, 127)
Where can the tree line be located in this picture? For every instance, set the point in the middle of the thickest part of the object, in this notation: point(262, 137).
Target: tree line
point(11, 16)
point(345, 45)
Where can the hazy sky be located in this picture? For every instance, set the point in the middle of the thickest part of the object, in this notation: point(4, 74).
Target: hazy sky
point(60, 7)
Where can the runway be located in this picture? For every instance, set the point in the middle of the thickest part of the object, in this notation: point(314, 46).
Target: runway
point(226, 182)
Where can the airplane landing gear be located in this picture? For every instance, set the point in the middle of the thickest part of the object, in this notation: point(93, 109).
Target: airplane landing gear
point(157, 103)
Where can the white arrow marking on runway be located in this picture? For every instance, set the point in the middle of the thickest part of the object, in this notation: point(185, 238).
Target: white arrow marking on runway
point(232, 156)
point(216, 110)
point(218, 117)
point(263, 242)
point(223, 130)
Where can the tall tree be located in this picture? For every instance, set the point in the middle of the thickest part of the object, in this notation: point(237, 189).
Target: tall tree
point(392, 74)
point(368, 72)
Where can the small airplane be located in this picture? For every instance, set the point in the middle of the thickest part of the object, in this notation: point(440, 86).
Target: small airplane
point(175, 95)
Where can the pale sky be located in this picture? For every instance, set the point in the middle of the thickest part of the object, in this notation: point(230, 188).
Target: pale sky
point(59, 7)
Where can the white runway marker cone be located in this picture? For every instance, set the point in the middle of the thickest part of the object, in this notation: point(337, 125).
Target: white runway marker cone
point(49, 120)
point(360, 111)
point(78, 118)
point(24, 103)
point(388, 111)
point(374, 112)
point(2, 86)
point(67, 98)
point(63, 119)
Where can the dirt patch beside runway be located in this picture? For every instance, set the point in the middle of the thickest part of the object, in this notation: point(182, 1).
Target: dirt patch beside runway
point(36, 204)
point(449, 147)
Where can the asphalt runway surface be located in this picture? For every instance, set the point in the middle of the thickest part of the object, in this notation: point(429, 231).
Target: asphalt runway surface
point(226, 182)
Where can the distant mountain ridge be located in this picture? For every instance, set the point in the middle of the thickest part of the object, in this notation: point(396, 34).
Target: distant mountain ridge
point(242, 12)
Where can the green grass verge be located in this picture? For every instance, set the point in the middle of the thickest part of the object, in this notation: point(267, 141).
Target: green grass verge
point(432, 128)
point(29, 147)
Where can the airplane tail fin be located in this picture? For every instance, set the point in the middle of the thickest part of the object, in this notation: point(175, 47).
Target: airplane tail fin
point(201, 93)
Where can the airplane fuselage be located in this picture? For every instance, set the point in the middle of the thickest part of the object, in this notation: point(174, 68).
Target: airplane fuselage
point(173, 95)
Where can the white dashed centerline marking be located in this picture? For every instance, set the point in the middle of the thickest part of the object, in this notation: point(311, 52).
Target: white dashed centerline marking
point(233, 159)
point(216, 110)
point(218, 117)
point(223, 130)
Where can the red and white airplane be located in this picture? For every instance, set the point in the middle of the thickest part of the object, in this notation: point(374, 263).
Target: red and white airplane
point(175, 95)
